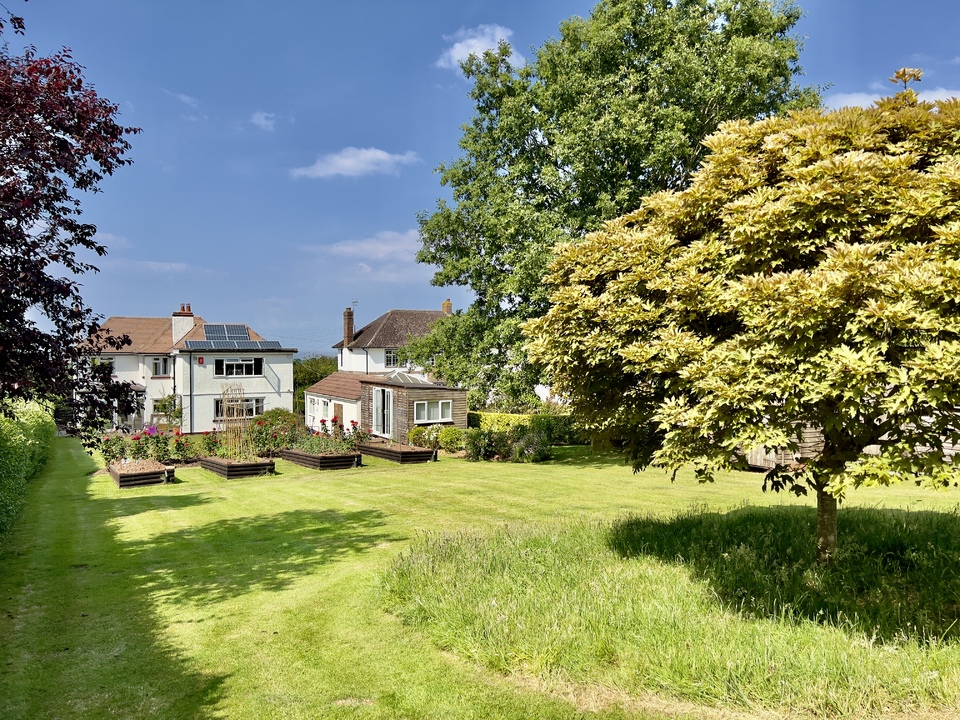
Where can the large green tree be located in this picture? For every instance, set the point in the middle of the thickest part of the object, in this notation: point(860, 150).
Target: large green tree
point(612, 110)
point(307, 371)
point(807, 281)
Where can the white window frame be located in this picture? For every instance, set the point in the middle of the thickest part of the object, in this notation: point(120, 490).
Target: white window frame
point(326, 410)
point(383, 412)
point(244, 364)
point(160, 366)
point(442, 411)
point(390, 358)
point(253, 406)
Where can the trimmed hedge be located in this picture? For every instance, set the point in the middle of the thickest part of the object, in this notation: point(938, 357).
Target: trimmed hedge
point(25, 441)
point(556, 429)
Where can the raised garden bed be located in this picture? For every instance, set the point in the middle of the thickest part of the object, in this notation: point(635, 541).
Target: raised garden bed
point(231, 469)
point(395, 452)
point(322, 462)
point(141, 472)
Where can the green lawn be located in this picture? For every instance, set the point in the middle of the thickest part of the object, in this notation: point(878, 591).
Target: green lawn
point(261, 597)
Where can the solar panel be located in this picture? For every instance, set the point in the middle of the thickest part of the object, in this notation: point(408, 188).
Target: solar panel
point(222, 344)
point(214, 332)
point(237, 332)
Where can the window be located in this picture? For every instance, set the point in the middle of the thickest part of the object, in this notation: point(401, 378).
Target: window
point(326, 409)
point(251, 407)
point(382, 411)
point(432, 411)
point(232, 367)
point(161, 366)
point(391, 359)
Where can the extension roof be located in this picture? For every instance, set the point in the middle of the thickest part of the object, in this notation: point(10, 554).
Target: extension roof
point(342, 385)
point(393, 329)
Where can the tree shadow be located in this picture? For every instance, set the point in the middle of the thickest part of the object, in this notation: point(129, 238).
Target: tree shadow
point(896, 574)
point(228, 558)
point(128, 505)
point(80, 636)
point(583, 456)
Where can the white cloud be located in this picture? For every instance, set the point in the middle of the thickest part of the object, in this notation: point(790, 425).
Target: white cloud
point(354, 162)
point(386, 245)
point(474, 41)
point(264, 120)
point(387, 256)
point(151, 266)
point(185, 99)
point(112, 241)
point(838, 100)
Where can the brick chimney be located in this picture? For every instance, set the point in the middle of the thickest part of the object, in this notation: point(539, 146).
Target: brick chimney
point(347, 326)
point(182, 322)
point(447, 307)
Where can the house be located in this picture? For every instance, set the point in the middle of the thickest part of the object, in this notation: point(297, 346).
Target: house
point(192, 360)
point(371, 387)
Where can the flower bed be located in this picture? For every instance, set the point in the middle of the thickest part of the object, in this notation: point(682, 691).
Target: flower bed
point(323, 461)
point(395, 452)
point(140, 472)
point(231, 469)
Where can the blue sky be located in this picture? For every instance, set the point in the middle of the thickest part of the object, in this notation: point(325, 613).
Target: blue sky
point(288, 147)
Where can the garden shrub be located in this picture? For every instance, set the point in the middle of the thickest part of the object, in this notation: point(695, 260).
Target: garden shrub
point(140, 447)
point(451, 439)
point(113, 448)
point(483, 444)
point(25, 441)
point(556, 429)
point(159, 446)
point(275, 430)
point(531, 447)
point(417, 436)
point(210, 443)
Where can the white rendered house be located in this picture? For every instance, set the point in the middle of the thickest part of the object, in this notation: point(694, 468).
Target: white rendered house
point(194, 361)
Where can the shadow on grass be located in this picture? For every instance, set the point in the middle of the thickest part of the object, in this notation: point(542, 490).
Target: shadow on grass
point(227, 558)
point(80, 635)
point(584, 456)
point(897, 573)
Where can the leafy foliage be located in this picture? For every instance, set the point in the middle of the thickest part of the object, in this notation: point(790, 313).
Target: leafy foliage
point(306, 372)
point(613, 109)
point(808, 278)
point(57, 138)
point(25, 440)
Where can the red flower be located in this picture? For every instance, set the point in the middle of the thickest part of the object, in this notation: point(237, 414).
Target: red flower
point(136, 437)
point(335, 418)
point(353, 423)
point(274, 434)
point(206, 432)
point(260, 422)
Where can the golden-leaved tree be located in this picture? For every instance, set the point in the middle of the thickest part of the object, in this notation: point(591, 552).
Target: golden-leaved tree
point(809, 277)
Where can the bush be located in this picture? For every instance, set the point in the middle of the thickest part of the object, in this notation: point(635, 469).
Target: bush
point(210, 443)
point(451, 439)
point(25, 441)
point(275, 430)
point(486, 444)
point(159, 447)
point(138, 448)
point(417, 436)
point(113, 448)
point(531, 447)
point(556, 429)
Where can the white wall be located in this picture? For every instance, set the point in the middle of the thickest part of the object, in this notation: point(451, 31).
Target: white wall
point(275, 386)
point(315, 412)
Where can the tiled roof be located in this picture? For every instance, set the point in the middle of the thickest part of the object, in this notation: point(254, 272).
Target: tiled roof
point(343, 385)
point(152, 336)
point(148, 335)
point(393, 329)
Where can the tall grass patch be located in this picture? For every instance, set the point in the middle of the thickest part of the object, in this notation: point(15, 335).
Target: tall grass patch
point(602, 604)
point(25, 439)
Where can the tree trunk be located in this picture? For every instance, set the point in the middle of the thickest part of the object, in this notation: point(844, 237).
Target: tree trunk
point(826, 526)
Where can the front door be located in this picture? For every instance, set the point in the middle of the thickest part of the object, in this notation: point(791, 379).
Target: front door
point(338, 412)
point(382, 412)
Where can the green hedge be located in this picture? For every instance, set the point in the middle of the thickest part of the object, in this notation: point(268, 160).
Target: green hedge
point(25, 441)
point(557, 429)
